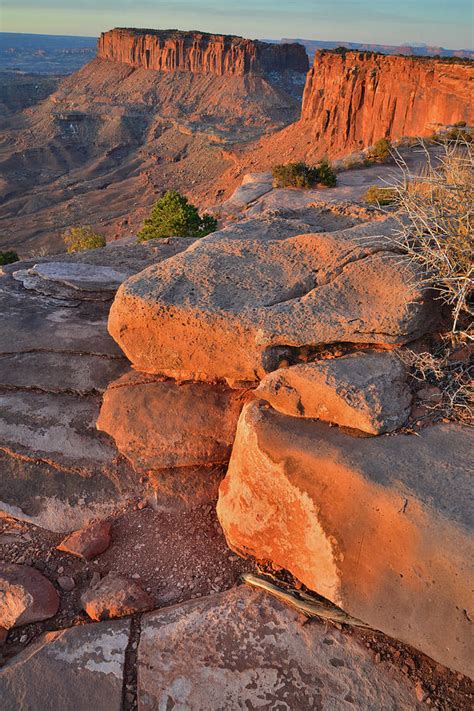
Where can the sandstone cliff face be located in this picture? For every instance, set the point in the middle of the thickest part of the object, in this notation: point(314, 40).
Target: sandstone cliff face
point(200, 53)
point(353, 99)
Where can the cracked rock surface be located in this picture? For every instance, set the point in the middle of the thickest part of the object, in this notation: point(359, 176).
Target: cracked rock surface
point(243, 649)
point(79, 668)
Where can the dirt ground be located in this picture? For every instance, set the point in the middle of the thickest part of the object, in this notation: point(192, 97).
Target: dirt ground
point(175, 558)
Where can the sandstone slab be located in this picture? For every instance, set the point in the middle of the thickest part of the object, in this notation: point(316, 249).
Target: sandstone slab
point(84, 277)
point(242, 649)
point(57, 470)
point(380, 526)
point(365, 391)
point(25, 596)
point(253, 187)
point(160, 424)
point(78, 668)
point(55, 372)
point(229, 308)
point(115, 596)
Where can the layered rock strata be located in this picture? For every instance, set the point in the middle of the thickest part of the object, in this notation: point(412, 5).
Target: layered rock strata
point(199, 52)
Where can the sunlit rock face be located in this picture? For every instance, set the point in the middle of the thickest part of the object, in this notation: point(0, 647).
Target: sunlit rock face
point(352, 99)
point(199, 52)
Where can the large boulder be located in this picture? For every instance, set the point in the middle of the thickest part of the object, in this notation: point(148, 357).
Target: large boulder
point(365, 391)
point(232, 307)
point(78, 668)
point(244, 649)
point(378, 525)
point(160, 424)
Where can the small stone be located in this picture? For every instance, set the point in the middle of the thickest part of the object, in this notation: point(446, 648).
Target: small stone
point(142, 505)
point(66, 583)
point(60, 569)
point(23, 638)
point(419, 691)
point(26, 596)
point(88, 542)
point(115, 596)
point(95, 578)
point(430, 394)
point(378, 658)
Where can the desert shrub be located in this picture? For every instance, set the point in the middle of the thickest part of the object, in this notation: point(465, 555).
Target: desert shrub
point(380, 151)
point(174, 216)
point(80, 238)
point(294, 175)
point(458, 133)
point(301, 175)
point(326, 174)
point(436, 218)
point(376, 195)
point(8, 257)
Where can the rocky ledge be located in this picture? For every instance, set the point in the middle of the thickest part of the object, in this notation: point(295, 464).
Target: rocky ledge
point(272, 343)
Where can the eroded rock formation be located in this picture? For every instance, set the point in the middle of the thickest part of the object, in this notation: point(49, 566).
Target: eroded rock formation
point(352, 99)
point(199, 52)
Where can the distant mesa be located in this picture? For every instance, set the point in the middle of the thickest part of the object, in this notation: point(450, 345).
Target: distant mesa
point(199, 52)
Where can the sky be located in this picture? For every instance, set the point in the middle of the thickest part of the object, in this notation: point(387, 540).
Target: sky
point(448, 23)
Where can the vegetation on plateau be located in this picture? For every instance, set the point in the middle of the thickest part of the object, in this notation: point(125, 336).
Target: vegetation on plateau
point(174, 216)
point(301, 175)
point(80, 238)
point(376, 195)
point(436, 223)
point(380, 152)
point(8, 257)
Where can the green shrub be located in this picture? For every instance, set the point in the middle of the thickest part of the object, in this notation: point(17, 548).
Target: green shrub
point(8, 257)
point(80, 238)
point(380, 196)
point(294, 175)
point(301, 175)
point(380, 151)
point(326, 174)
point(174, 216)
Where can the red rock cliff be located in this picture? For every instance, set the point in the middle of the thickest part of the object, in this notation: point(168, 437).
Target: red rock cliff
point(355, 98)
point(198, 52)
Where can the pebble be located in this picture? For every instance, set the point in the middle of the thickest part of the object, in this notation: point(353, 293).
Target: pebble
point(95, 578)
point(66, 582)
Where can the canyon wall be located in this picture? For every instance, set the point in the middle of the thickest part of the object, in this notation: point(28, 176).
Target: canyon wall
point(199, 52)
point(352, 99)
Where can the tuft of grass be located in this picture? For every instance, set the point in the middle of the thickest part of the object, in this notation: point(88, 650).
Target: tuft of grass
point(80, 238)
point(381, 197)
point(9, 257)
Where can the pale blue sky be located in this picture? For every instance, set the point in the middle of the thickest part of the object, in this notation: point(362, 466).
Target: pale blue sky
point(443, 22)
